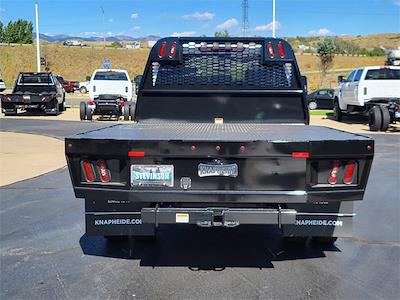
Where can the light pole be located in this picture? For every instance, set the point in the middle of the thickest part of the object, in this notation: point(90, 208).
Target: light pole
point(37, 36)
point(273, 18)
point(102, 19)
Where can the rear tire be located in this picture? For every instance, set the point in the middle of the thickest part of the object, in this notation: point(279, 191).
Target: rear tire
point(375, 118)
point(337, 112)
point(325, 240)
point(89, 114)
point(312, 105)
point(385, 118)
point(82, 111)
point(61, 107)
point(132, 111)
point(126, 111)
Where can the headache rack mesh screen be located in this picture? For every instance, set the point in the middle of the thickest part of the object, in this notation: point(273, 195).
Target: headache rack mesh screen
point(223, 64)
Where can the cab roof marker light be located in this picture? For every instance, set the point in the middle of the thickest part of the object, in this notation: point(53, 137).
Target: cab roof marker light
point(136, 153)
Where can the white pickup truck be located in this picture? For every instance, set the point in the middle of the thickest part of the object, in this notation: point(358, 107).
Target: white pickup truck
point(111, 93)
point(372, 91)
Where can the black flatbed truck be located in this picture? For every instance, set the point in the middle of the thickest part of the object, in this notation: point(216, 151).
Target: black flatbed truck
point(35, 91)
point(221, 139)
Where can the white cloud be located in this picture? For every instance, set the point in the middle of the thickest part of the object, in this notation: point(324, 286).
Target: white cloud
point(268, 27)
point(136, 28)
point(397, 2)
point(320, 32)
point(184, 33)
point(110, 20)
point(134, 16)
point(228, 24)
point(204, 16)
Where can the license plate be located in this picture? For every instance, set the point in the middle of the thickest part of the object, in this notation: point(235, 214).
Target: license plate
point(26, 97)
point(225, 170)
point(152, 175)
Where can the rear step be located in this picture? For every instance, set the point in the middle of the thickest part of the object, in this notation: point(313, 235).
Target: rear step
point(227, 217)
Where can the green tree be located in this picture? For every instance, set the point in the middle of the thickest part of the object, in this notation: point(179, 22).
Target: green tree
point(326, 52)
point(1, 32)
point(377, 52)
point(224, 33)
point(19, 31)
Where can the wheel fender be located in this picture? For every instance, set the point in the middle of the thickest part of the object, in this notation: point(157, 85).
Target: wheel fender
point(343, 106)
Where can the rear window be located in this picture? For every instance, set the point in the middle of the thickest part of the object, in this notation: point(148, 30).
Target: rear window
point(35, 79)
point(110, 75)
point(382, 74)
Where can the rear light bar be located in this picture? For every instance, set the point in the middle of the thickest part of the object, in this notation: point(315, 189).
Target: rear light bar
point(300, 154)
point(270, 49)
point(333, 174)
point(105, 175)
point(88, 170)
point(172, 51)
point(136, 153)
point(162, 50)
point(281, 50)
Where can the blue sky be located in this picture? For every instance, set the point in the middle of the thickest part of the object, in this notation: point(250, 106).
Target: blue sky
point(197, 17)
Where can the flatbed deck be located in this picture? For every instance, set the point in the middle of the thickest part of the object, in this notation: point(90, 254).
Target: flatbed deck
point(220, 132)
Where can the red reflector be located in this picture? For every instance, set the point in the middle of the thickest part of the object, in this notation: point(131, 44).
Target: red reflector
point(136, 153)
point(161, 51)
point(300, 154)
point(105, 175)
point(281, 50)
point(270, 49)
point(348, 174)
point(334, 172)
point(88, 170)
point(172, 50)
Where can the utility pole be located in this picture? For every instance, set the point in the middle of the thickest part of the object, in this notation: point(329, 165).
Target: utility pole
point(37, 36)
point(245, 17)
point(273, 18)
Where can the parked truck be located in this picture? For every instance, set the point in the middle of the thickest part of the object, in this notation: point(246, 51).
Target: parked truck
point(370, 91)
point(40, 91)
point(222, 138)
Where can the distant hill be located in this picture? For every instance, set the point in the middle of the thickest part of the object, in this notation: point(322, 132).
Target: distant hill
point(119, 38)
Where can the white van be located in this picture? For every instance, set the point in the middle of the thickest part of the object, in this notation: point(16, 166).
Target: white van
point(110, 82)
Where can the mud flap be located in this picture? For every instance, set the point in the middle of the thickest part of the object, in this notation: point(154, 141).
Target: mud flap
point(117, 224)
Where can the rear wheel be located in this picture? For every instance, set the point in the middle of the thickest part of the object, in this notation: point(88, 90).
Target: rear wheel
point(337, 112)
point(375, 118)
point(82, 111)
point(312, 105)
point(385, 118)
point(61, 106)
point(89, 113)
point(132, 111)
point(126, 111)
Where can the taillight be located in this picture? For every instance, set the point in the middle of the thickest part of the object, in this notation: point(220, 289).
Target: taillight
point(5, 98)
point(91, 102)
point(172, 50)
point(162, 50)
point(88, 170)
point(349, 172)
point(281, 50)
point(333, 174)
point(105, 174)
point(270, 49)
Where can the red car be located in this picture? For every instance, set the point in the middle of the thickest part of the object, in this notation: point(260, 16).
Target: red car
point(69, 86)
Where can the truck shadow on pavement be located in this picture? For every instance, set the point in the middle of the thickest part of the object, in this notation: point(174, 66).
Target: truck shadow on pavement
point(206, 248)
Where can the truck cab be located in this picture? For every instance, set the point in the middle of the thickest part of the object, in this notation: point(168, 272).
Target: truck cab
point(110, 82)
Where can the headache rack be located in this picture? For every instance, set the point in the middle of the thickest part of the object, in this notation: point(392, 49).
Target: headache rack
point(188, 64)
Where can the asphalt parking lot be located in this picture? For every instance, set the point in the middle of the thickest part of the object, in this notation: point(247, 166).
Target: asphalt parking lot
point(45, 254)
